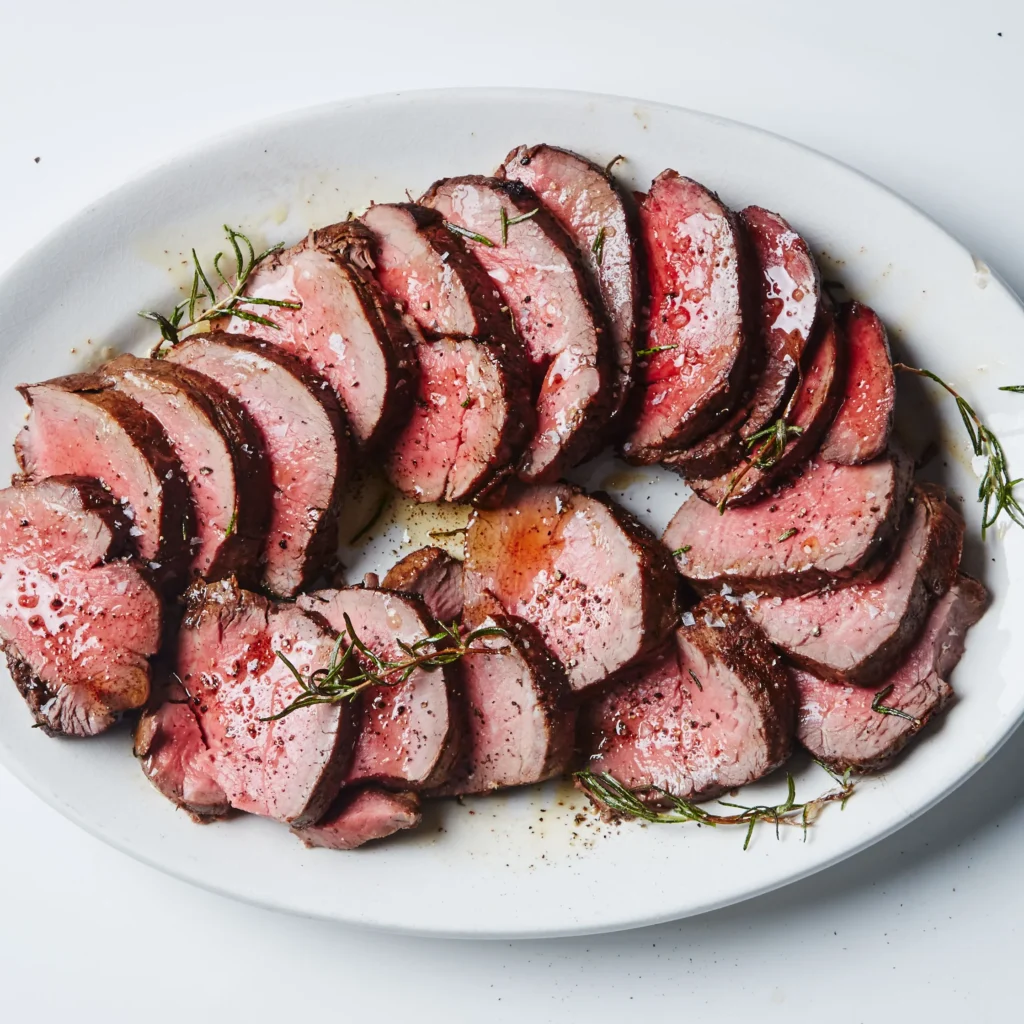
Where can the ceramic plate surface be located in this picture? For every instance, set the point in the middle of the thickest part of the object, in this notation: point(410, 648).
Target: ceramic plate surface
point(524, 863)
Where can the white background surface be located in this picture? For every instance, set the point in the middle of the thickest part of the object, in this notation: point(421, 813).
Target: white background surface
point(923, 97)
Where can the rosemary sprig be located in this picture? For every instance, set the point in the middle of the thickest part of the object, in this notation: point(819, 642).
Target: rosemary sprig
point(682, 551)
point(883, 709)
point(660, 807)
point(996, 489)
point(507, 221)
point(335, 682)
point(1017, 389)
point(232, 523)
point(458, 229)
point(598, 247)
point(641, 353)
point(172, 327)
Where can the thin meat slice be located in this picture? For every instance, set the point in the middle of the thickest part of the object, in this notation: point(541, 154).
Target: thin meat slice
point(592, 580)
point(346, 330)
point(837, 722)
point(812, 409)
point(465, 427)
point(713, 710)
point(408, 735)
point(599, 217)
point(306, 441)
point(520, 719)
point(233, 679)
point(434, 576)
point(831, 523)
point(556, 311)
point(78, 625)
point(78, 426)
point(701, 317)
point(221, 452)
point(859, 633)
point(361, 816)
point(862, 426)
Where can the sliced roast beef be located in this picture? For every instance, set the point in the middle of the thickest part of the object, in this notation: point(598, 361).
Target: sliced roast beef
point(466, 426)
point(221, 451)
point(346, 331)
point(436, 577)
point(78, 426)
point(599, 217)
point(812, 409)
point(78, 626)
point(853, 727)
point(234, 680)
point(713, 710)
point(306, 441)
point(585, 573)
point(859, 633)
point(830, 523)
point(409, 734)
point(862, 426)
point(553, 304)
point(701, 317)
point(791, 312)
point(360, 816)
point(521, 721)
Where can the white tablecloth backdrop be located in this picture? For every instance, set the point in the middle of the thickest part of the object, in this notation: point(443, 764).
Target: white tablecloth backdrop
point(925, 97)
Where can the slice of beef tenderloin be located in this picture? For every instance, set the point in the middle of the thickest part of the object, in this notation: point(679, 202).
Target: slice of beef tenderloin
point(859, 633)
point(554, 307)
point(306, 441)
point(221, 451)
point(712, 710)
point(347, 330)
point(234, 680)
point(810, 410)
point(701, 327)
point(837, 722)
point(583, 571)
point(77, 624)
point(600, 218)
point(409, 731)
point(860, 431)
point(791, 314)
point(433, 575)
point(360, 816)
point(79, 426)
point(465, 426)
point(828, 524)
point(520, 717)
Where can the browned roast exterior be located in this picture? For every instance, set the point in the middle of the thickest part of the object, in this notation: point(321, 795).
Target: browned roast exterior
point(434, 576)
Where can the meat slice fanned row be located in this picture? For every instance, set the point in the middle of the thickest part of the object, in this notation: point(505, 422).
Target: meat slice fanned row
point(712, 710)
point(434, 576)
point(360, 816)
point(78, 624)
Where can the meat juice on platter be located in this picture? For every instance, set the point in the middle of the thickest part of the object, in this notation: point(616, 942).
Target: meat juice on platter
point(180, 513)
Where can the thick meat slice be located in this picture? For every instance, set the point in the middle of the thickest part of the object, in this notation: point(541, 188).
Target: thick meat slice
point(813, 408)
point(701, 316)
point(222, 454)
point(466, 426)
point(861, 428)
point(78, 426)
point(556, 311)
point(306, 441)
point(713, 710)
point(408, 737)
point(78, 628)
point(837, 723)
point(831, 523)
point(432, 574)
point(791, 311)
point(585, 573)
point(598, 216)
point(360, 816)
point(228, 664)
point(346, 330)
point(521, 722)
point(859, 633)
